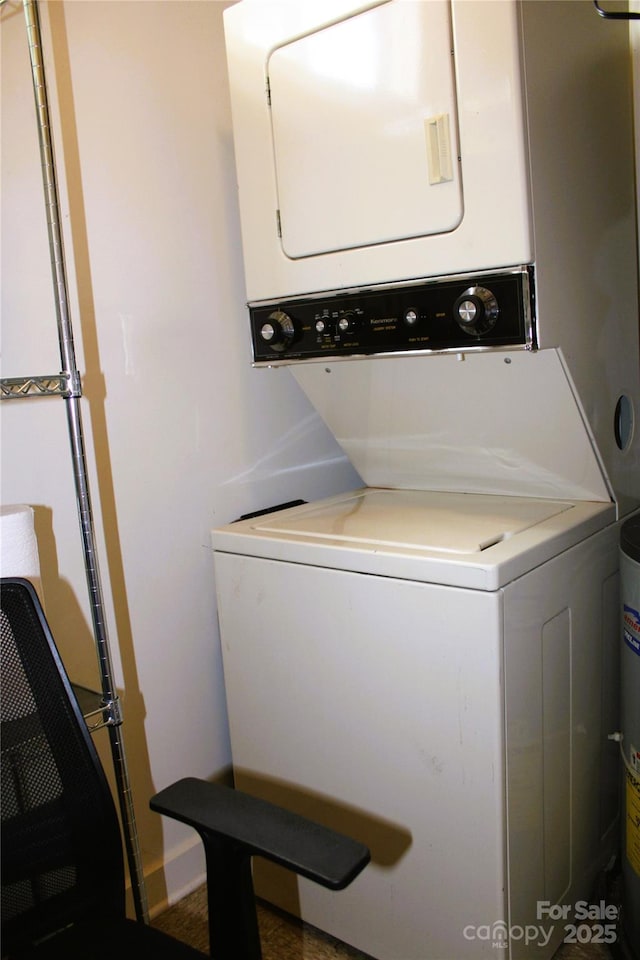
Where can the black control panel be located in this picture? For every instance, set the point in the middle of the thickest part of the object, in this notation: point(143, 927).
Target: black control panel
point(487, 310)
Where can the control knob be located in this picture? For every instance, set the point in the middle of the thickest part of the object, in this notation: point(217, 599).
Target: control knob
point(347, 322)
point(476, 311)
point(277, 331)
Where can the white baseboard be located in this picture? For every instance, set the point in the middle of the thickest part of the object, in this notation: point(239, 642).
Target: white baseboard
point(171, 879)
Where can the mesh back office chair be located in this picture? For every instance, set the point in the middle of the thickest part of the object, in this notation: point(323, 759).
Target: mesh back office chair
point(63, 893)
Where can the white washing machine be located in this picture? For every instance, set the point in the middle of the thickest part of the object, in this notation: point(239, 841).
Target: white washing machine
point(432, 673)
point(434, 670)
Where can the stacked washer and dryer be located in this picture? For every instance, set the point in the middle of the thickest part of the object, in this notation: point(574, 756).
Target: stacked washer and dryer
point(437, 205)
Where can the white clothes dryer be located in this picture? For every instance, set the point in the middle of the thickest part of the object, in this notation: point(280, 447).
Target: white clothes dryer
point(414, 144)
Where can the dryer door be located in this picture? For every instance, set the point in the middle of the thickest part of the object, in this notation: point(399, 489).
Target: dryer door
point(365, 130)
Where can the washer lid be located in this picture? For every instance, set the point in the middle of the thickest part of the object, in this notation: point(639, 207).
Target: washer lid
point(443, 522)
point(481, 541)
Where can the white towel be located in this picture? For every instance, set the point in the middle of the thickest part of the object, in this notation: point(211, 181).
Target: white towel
point(18, 544)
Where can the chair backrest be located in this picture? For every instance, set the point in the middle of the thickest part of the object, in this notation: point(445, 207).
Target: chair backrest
point(62, 860)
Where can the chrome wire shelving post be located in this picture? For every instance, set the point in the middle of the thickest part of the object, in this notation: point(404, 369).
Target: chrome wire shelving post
point(67, 385)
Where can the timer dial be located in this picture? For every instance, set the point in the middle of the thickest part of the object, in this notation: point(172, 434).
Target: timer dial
point(476, 311)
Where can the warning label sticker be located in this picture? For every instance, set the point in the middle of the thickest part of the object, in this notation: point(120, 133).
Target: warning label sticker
point(631, 628)
point(633, 822)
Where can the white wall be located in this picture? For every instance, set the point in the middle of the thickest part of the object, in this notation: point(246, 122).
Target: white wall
point(182, 434)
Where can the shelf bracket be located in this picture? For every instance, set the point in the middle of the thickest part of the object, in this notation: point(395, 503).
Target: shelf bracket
point(56, 385)
point(97, 711)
